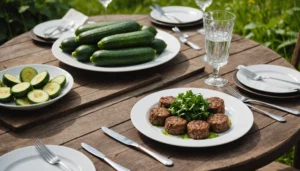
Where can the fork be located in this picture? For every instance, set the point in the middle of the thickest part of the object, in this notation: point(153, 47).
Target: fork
point(162, 12)
point(244, 99)
point(48, 155)
point(184, 40)
point(60, 29)
point(257, 77)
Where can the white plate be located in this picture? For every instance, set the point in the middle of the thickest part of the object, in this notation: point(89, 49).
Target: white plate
point(239, 114)
point(53, 71)
point(184, 14)
point(173, 47)
point(29, 159)
point(47, 27)
point(269, 85)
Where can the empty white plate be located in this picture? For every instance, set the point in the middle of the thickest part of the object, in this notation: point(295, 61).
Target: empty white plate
point(29, 159)
point(183, 14)
point(269, 85)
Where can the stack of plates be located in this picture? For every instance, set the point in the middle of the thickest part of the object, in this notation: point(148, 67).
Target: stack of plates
point(187, 15)
point(37, 33)
point(268, 87)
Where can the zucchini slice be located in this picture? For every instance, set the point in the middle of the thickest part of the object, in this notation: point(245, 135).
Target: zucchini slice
point(2, 84)
point(37, 96)
point(27, 74)
point(53, 89)
point(10, 80)
point(5, 94)
point(40, 80)
point(21, 89)
point(22, 101)
point(60, 79)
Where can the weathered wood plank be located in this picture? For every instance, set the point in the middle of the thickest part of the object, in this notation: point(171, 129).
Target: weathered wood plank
point(19, 39)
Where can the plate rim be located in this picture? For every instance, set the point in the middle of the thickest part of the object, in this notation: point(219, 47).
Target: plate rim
point(49, 146)
point(49, 21)
point(267, 65)
point(16, 107)
point(179, 7)
point(131, 68)
point(159, 137)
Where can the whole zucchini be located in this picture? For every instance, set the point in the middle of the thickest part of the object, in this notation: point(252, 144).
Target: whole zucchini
point(119, 57)
point(159, 45)
point(126, 40)
point(87, 27)
point(69, 44)
point(151, 29)
point(84, 52)
point(95, 35)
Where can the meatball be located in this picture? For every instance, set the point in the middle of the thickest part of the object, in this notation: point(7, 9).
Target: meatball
point(158, 116)
point(219, 122)
point(175, 125)
point(216, 105)
point(198, 129)
point(166, 101)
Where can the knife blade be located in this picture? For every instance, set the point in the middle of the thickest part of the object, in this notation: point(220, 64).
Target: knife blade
point(130, 142)
point(97, 153)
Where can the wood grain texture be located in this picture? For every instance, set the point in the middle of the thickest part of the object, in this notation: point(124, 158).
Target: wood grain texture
point(266, 140)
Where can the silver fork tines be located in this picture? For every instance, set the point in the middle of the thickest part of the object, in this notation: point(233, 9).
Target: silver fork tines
point(48, 155)
point(248, 73)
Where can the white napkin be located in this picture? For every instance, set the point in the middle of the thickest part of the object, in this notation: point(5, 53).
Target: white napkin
point(77, 17)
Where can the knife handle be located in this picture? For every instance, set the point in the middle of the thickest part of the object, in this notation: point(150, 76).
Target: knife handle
point(115, 165)
point(158, 157)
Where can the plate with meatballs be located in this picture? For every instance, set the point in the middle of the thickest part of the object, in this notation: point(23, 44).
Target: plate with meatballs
point(191, 117)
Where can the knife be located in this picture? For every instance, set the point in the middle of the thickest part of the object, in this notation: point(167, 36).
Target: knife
point(97, 153)
point(130, 142)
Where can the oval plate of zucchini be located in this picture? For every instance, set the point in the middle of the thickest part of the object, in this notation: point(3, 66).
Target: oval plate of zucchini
point(34, 86)
point(118, 46)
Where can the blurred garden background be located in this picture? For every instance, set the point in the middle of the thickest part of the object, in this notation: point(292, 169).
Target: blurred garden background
point(273, 23)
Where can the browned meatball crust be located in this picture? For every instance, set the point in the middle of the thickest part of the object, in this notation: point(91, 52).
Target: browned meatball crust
point(198, 129)
point(216, 105)
point(219, 122)
point(166, 101)
point(175, 125)
point(158, 116)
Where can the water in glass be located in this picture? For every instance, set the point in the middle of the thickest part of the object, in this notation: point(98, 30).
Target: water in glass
point(105, 3)
point(203, 4)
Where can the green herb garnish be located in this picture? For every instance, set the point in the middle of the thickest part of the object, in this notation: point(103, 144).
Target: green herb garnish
point(184, 136)
point(190, 106)
point(212, 135)
point(164, 132)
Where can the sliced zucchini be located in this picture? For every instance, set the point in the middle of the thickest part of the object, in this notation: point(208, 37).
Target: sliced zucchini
point(37, 96)
point(22, 101)
point(60, 79)
point(10, 80)
point(2, 84)
point(27, 74)
point(21, 89)
point(53, 89)
point(40, 80)
point(5, 94)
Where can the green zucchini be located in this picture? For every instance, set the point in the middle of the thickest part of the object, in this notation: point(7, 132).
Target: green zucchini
point(60, 79)
point(40, 80)
point(95, 35)
point(10, 80)
point(151, 29)
point(22, 101)
point(87, 27)
point(53, 89)
point(5, 94)
point(37, 96)
point(21, 89)
point(69, 44)
point(2, 84)
point(84, 52)
point(159, 45)
point(27, 74)
point(126, 40)
point(119, 57)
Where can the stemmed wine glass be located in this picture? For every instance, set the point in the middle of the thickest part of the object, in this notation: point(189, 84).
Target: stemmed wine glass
point(203, 4)
point(105, 3)
point(218, 27)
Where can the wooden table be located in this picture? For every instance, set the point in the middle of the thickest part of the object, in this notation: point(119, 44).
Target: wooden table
point(102, 99)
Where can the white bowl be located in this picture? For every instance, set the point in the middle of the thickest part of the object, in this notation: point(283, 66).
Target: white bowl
point(53, 72)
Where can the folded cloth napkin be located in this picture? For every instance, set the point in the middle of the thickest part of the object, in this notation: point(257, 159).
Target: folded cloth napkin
point(77, 17)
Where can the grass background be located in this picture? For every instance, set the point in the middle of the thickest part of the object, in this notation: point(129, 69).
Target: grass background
point(273, 23)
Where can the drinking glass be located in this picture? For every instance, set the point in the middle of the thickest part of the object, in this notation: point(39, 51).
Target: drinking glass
point(218, 27)
point(203, 4)
point(105, 3)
